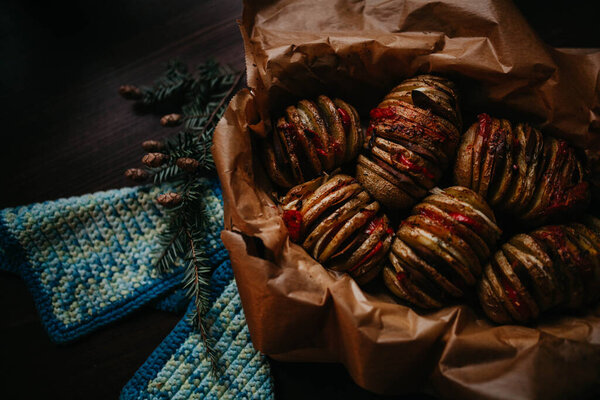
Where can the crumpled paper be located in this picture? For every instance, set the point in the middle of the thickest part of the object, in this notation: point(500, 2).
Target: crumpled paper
point(357, 50)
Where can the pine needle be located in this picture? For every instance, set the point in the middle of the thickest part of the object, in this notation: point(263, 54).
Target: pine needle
point(202, 97)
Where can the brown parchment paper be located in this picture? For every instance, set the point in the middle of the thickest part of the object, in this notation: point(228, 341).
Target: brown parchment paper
point(298, 311)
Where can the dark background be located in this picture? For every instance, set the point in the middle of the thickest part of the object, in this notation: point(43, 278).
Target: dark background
point(65, 131)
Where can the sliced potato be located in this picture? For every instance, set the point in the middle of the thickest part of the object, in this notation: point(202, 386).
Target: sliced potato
point(410, 258)
point(491, 304)
point(378, 183)
point(334, 126)
point(463, 167)
point(354, 138)
point(312, 120)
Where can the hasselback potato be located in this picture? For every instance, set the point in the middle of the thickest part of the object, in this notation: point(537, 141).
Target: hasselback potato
point(312, 137)
point(439, 251)
point(521, 172)
point(411, 139)
point(555, 266)
point(339, 224)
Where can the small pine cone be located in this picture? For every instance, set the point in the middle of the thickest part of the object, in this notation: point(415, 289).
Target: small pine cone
point(187, 164)
point(170, 199)
point(152, 146)
point(171, 120)
point(154, 160)
point(130, 92)
point(136, 174)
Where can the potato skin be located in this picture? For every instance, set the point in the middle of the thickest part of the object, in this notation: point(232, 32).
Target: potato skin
point(336, 221)
point(310, 139)
point(553, 268)
point(412, 137)
point(534, 179)
point(439, 249)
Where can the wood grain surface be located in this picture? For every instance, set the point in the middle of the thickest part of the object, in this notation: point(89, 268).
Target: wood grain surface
point(65, 132)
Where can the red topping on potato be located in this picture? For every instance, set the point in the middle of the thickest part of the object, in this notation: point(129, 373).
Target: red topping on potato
point(368, 256)
point(515, 298)
point(411, 166)
point(293, 221)
point(467, 221)
point(345, 118)
point(380, 113)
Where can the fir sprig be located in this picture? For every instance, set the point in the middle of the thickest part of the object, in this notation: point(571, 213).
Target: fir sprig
point(182, 159)
point(173, 84)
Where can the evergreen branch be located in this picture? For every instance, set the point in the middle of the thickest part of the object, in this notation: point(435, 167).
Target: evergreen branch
point(199, 286)
point(221, 104)
point(224, 98)
point(201, 97)
point(163, 262)
point(172, 84)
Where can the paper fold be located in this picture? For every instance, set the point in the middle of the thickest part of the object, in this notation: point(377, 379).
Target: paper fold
point(298, 311)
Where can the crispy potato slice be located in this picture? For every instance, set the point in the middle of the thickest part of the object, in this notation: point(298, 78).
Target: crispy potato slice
point(352, 225)
point(531, 247)
point(427, 95)
point(467, 215)
point(333, 198)
point(412, 234)
point(496, 148)
point(305, 143)
point(276, 170)
point(398, 130)
point(524, 146)
point(332, 184)
point(555, 155)
point(487, 125)
point(476, 243)
point(400, 287)
point(334, 126)
point(427, 295)
point(506, 171)
point(588, 261)
point(403, 180)
point(513, 290)
point(352, 129)
point(452, 242)
point(471, 197)
point(285, 133)
point(312, 120)
point(491, 304)
point(367, 271)
point(296, 195)
point(410, 257)
point(377, 182)
point(423, 118)
point(358, 246)
point(405, 172)
point(340, 215)
point(421, 169)
point(436, 101)
point(561, 251)
point(531, 275)
point(493, 275)
point(463, 166)
point(590, 234)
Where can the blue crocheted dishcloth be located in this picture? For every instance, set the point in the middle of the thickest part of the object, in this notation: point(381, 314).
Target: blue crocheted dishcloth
point(88, 260)
point(178, 368)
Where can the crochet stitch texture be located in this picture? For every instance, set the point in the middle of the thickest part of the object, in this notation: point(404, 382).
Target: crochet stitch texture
point(87, 261)
point(178, 368)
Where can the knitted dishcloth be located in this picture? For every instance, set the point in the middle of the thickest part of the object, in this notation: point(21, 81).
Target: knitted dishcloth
point(88, 260)
point(179, 369)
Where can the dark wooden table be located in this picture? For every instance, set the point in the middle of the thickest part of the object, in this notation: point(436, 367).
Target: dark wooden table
point(66, 132)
